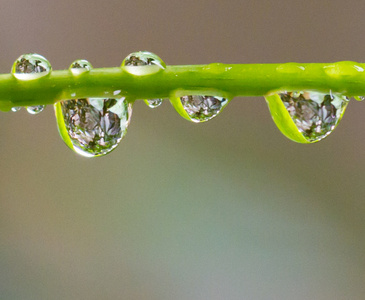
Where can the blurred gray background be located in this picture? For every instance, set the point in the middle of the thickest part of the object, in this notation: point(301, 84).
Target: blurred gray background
point(229, 209)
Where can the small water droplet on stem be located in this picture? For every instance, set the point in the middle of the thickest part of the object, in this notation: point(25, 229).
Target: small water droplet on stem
point(80, 66)
point(34, 110)
point(15, 108)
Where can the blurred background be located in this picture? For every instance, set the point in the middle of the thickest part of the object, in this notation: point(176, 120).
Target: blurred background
point(229, 209)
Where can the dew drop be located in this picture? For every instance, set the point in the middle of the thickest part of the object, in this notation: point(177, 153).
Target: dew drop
point(93, 126)
point(290, 68)
point(31, 66)
point(198, 108)
point(144, 63)
point(153, 103)
point(143, 58)
point(80, 66)
point(15, 108)
point(34, 110)
point(314, 115)
point(359, 98)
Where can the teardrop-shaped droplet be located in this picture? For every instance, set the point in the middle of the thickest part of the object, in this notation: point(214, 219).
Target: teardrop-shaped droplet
point(31, 66)
point(144, 63)
point(16, 108)
point(199, 108)
point(94, 126)
point(309, 116)
point(80, 66)
point(36, 109)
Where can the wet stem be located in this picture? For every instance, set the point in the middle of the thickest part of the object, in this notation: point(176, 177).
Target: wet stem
point(226, 80)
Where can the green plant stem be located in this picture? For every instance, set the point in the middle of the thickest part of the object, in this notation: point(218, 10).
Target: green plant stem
point(230, 80)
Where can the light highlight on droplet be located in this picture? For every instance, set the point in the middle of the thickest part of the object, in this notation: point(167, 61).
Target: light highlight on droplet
point(15, 108)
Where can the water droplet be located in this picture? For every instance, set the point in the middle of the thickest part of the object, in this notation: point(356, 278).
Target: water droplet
point(343, 69)
point(94, 126)
point(80, 66)
point(143, 58)
point(144, 63)
point(31, 66)
point(198, 108)
point(153, 103)
point(309, 116)
point(15, 108)
point(35, 109)
point(359, 98)
point(290, 68)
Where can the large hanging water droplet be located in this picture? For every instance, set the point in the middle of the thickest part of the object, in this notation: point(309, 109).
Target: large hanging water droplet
point(307, 117)
point(80, 66)
point(94, 126)
point(133, 63)
point(31, 66)
point(34, 110)
point(199, 108)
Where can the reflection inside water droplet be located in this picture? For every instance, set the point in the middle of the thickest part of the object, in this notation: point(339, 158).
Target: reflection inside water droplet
point(143, 58)
point(80, 66)
point(35, 109)
point(31, 66)
point(93, 126)
point(203, 108)
point(153, 103)
point(314, 114)
point(15, 108)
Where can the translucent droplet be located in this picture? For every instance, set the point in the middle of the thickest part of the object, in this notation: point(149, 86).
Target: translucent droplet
point(144, 63)
point(35, 109)
point(198, 108)
point(290, 68)
point(80, 66)
point(153, 103)
point(31, 66)
point(94, 126)
point(15, 108)
point(314, 115)
point(143, 58)
point(359, 98)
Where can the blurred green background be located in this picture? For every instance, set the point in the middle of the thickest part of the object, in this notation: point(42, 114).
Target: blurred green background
point(229, 209)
